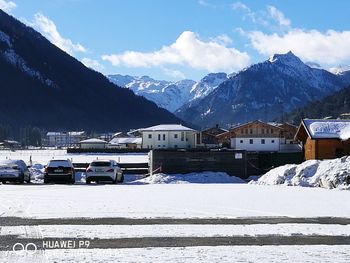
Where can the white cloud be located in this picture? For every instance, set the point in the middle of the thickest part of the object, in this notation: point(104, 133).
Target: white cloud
point(7, 6)
point(48, 28)
point(222, 39)
point(92, 63)
point(330, 47)
point(256, 18)
point(240, 6)
point(278, 16)
point(187, 50)
point(206, 3)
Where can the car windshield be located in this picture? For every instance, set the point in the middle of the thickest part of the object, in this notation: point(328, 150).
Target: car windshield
point(58, 163)
point(101, 164)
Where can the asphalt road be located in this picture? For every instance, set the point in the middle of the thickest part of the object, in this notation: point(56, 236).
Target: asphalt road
point(18, 221)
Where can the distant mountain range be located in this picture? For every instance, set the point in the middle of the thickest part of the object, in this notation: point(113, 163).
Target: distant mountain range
point(333, 106)
point(265, 91)
point(170, 95)
point(43, 86)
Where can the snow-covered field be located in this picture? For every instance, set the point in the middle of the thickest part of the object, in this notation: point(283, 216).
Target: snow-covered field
point(140, 231)
point(197, 196)
point(170, 200)
point(222, 254)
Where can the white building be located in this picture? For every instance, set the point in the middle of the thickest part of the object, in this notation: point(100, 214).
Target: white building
point(64, 139)
point(168, 136)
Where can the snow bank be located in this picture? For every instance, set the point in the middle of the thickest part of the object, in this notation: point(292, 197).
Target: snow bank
point(199, 178)
point(313, 173)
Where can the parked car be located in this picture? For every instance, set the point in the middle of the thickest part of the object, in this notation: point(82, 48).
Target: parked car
point(104, 170)
point(14, 171)
point(59, 171)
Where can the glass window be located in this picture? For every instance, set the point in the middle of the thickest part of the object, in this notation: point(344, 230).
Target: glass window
point(163, 137)
point(251, 131)
point(272, 141)
point(149, 136)
point(175, 135)
point(158, 137)
point(262, 141)
point(241, 141)
point(271, 130)
point(251, 141)
point(263, 131)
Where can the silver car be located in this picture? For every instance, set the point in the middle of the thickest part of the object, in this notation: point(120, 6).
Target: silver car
point(14, 171)
point(104, 170)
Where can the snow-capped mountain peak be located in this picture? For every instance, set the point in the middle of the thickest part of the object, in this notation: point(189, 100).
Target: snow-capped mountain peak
point(339, 70)
point(288, 59)
point(167, 94)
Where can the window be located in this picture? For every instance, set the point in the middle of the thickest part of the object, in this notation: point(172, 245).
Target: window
point(241, 141)
point(246, 131)
point(251, 131)
point(263, 131)
point(241, 131)
point(262, 141)
point(175, 146)
point(175, 135)
point(158, 137)
point(251, 141)
point(149, 136)
point(182, 136)
point(271, 131)
point(158, 146)
point(272, 141)
point(163, 146)
point(163, 137)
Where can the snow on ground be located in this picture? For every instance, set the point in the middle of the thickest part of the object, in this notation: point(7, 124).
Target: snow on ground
point(223, 254)
point(313, 173)
point(199, 178)
point(170, 200)
point(44, 156)
point(141, 231)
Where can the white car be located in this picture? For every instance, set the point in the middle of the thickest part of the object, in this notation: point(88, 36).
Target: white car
point(14, 171)
point(104, 170)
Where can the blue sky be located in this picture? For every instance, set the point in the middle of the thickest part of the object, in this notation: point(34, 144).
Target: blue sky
point(172, 40)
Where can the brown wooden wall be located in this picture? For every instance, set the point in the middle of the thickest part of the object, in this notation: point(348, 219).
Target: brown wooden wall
point(326, 149)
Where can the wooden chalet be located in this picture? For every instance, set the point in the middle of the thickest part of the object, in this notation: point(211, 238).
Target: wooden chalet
point(324, 139)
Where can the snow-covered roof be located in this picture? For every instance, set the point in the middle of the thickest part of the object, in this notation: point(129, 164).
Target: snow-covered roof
point(126, 140)
point(168, 127)
point(330, 129)
point(93, 140)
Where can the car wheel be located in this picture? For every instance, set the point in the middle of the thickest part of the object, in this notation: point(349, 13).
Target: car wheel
point(88, 181)
point(21, 179)
point(121, 179)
